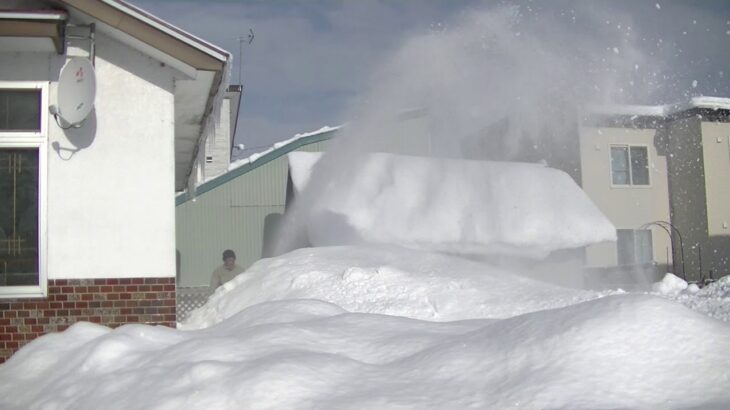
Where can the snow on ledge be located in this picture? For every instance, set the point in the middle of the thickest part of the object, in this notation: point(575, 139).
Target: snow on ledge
point(254, 157)
point(712, 103)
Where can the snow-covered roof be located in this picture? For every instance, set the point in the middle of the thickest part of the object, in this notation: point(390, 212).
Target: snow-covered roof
point(244, 165)
point(712, 103)
point(279, 145)
point(462, 206)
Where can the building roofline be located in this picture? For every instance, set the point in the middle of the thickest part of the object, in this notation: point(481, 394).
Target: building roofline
point(169, 29)
point(155, 32)
point(267, 157)
point(661, 111)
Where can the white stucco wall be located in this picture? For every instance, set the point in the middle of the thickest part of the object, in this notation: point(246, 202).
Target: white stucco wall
point(110, 206)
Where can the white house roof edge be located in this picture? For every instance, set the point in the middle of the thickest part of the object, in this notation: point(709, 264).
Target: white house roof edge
point(167, 28)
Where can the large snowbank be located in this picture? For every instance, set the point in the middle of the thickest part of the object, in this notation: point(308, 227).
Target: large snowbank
point(386, 280)
point(535, 346)
point(625, 351)
point(447, 205)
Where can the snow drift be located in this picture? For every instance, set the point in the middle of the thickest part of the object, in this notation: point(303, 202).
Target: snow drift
point(446, 204)
point(386, 280)
point(624, 351)
point(527, 345)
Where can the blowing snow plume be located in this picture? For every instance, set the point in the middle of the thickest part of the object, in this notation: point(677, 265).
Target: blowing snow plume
point(500, 85)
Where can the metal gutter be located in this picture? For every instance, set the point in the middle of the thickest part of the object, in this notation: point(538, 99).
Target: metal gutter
point(243, 169)
point(53, 15)
point(35, 24)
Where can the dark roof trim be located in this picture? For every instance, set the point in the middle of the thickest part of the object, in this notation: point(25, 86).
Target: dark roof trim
point(243, 169)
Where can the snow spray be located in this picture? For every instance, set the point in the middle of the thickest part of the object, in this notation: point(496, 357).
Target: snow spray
point(506, 83)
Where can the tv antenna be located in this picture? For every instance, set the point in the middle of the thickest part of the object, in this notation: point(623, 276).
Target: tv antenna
point(241, 39)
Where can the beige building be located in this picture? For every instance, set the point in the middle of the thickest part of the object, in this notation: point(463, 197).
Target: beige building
point(662, 175)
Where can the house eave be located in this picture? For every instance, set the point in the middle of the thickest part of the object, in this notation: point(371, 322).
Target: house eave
point(155, 32)
point(18, 26)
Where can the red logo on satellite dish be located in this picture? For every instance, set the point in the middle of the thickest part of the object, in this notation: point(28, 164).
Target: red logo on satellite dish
point(80, 74)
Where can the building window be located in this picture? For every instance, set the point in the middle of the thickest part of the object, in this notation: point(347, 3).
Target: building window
point(629, 165)
point(634, 246)
point(19, 217)
point(20, 110)
point(22, 189)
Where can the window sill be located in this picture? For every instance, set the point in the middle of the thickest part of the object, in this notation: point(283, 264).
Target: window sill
point(23, 292)
point(631, 186)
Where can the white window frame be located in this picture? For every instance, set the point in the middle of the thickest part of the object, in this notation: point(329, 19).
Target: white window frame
point(39, 140)
point(630, 185)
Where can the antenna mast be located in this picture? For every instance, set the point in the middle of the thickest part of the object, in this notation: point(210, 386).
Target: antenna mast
point(241, 39)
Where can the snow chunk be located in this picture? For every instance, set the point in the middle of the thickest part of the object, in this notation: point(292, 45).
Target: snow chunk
point(302, 166)
point(670, 285)
point(449, 205)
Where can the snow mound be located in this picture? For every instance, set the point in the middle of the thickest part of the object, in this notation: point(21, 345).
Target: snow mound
point(625, 351)
point(386, 280)
point(670, 285)
point(713, 299)
point(447, 205)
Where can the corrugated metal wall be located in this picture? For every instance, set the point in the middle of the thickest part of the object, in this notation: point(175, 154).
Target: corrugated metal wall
point(237, 215)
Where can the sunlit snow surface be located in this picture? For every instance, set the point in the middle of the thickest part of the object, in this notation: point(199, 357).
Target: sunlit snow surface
point(326, 328)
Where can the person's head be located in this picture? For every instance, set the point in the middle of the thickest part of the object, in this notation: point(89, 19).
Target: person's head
point(229, 259)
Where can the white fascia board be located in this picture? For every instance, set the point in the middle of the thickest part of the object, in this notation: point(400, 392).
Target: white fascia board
point(169, 29)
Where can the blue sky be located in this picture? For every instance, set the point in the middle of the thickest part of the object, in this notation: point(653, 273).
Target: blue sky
point(310, 59)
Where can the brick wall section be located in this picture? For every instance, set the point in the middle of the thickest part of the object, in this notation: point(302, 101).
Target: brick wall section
point(109, 302)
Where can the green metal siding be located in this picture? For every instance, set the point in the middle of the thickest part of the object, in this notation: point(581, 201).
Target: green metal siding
point(237, 210)
point(237, 214)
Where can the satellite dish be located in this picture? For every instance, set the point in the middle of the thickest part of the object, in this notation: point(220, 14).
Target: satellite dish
point(76, 91)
